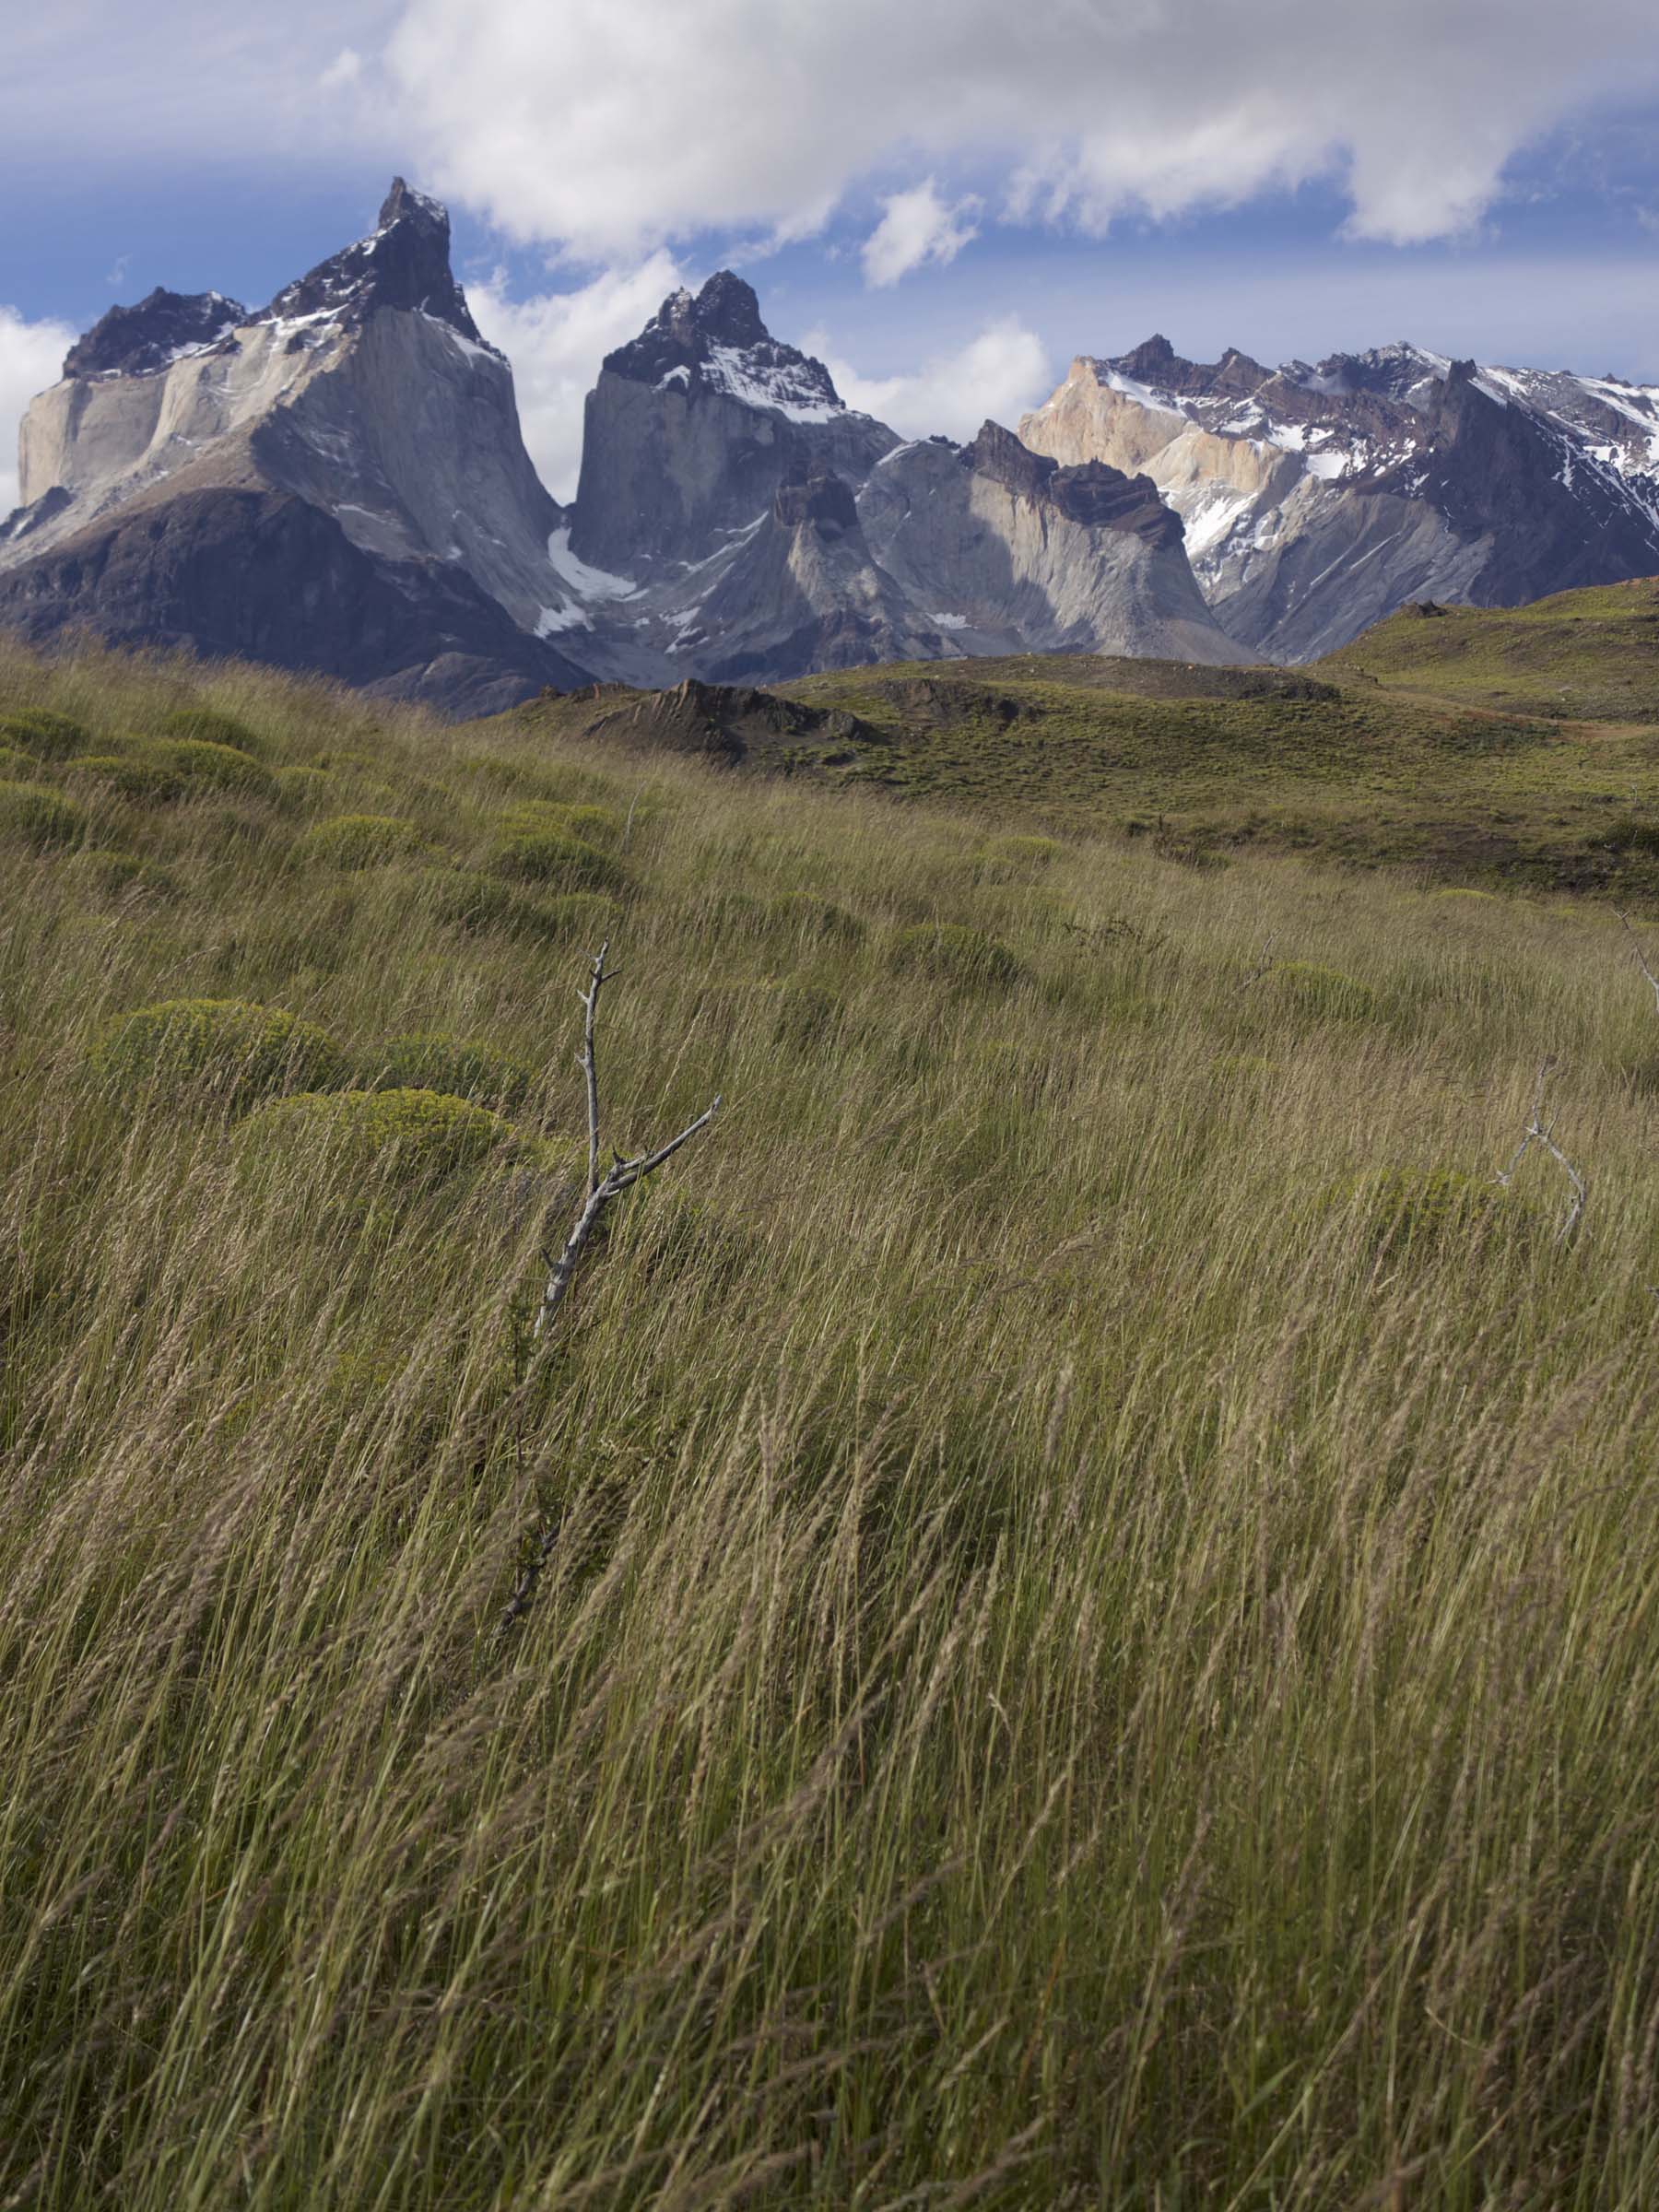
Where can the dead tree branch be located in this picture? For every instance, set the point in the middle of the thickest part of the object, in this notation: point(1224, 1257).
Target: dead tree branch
point(1641, 956)
point(1539, 1132)
point(1265, 965)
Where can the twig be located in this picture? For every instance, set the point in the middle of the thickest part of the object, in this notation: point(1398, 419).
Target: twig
point(1263, 966)
point(597, 979)
point(1641, 956)
point(1537, 1131)
point(601, 1192)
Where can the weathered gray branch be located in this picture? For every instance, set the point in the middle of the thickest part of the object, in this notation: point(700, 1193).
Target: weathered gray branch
point(1641, 956)
point(1537, 1132)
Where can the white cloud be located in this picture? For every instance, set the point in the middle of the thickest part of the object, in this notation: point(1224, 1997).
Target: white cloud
point(31, 356)
point(556, 344)
point(1000, 373)
point(916, 227)
point(344, 70)
point(612, 128)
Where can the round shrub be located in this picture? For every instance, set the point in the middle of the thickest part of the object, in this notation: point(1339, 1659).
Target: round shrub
point(146, 780)
point(359, 840)
point(442, 1064)
point(106, 874)
point(1016, 858)
point(1464, 891)
point(952, 952)
point(467, 900)
point(39, 817)
point(206, 725)
point(1419, 1209)
point(410, 1136)
point(220, 1050)
point(552, 857)
point(589, 825)
point(215, 767)
point(807, 916)
point(48, 736)
point(16, 767)
point(1315, 993)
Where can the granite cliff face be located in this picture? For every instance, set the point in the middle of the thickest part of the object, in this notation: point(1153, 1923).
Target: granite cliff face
point(734, 519)
point(1316, 500)
point(362, 395)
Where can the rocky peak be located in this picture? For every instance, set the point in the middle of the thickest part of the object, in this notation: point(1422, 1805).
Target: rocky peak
point(1092, 492)
point(997, 453)
point(133, 341)
point(715, 341)
point(404, 263)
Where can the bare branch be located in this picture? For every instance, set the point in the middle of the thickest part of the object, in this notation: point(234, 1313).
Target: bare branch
point(1641, 956)
point(1265, 965)
point(597, 979)
point(1539, 1132)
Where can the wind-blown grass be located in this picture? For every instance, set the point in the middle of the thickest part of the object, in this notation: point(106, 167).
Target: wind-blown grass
point(1098, 1646)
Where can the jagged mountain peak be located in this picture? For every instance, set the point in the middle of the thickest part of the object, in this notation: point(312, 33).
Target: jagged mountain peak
point(714, 341)
point(162, 328)
point(404, 263)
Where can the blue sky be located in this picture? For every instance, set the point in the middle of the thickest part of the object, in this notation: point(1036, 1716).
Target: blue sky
point(948, 209)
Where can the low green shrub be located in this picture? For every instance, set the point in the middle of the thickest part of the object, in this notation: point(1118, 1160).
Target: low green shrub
point(302, 790)
point(952, 952)
point(445, 1065)
point(820, 920)
point(206, 725)
point(16, 767)
point(359, 840)
point(1406, 1210)
point(39, 817)
point(1310, 993)
point(147, 781)
point(559, 861)
point(207, 764)
point(1014, 859)
point(464, 899)
point(46, 735)
point(225, 1052)
point(415, 1138)
point(589, 825)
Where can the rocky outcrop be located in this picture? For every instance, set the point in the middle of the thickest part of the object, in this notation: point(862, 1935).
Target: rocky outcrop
point(162, 328)
point(1317, 499)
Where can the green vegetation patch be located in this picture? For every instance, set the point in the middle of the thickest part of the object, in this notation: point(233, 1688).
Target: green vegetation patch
point(560, 862)
point(952, 952)
point(413, 1136)
point(210, 766)
point(223, 1051)
point(359, 840)
point(429, 1063)
point(1312, 993)
point(36, 816)
point(108, 874)
point(46, 735)
point(206, 725)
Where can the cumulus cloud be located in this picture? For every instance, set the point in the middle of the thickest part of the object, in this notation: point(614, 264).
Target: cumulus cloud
point(555, 343)
point(999, 374)
point(916, 227)
point(31, 356)
point(613, 129)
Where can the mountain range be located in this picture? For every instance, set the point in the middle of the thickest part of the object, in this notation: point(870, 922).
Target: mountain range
point(338, 482)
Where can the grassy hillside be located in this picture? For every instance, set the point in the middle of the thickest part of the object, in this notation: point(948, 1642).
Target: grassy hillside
point(1589, 655)
point(1223, 760)
point(1098, 1642)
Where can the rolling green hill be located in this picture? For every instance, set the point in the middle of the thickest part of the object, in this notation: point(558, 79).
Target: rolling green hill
point(1586, 657)
point(1094, 1641)
point(1210, 762)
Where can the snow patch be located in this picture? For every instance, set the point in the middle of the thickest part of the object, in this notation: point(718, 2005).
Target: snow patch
point(950, 621)
point(790, 390)
point(586, 582)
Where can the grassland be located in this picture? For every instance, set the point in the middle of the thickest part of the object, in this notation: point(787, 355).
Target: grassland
point(1099, 1645)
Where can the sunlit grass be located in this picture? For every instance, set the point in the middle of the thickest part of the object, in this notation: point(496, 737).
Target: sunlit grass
point(1101, 1643)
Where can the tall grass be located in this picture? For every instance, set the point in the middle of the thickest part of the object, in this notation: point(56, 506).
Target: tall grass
point(1099, 1641)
